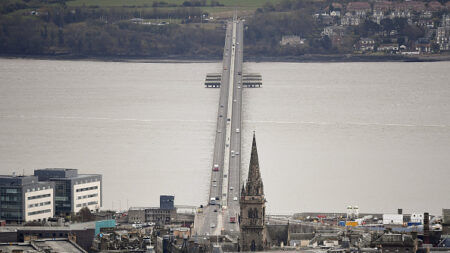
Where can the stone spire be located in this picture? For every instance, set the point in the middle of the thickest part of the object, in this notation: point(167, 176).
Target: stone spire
point(253, 208)
point(254, 186)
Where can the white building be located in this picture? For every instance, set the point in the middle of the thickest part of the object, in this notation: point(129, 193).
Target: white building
point(417, 218)
point(24, 199)
point(393, 219)
point(291, 40)
point(73, 191)
point(39, 203)
point(87, 193)
point(352, 212)
point(350, 20)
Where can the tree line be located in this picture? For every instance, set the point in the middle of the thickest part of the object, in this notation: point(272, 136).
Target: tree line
point(107, 32)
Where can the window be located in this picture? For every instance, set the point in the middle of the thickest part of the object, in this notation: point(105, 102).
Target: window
point(11, 191)
point(87, 189)
point(39, 196)
point(39, 212)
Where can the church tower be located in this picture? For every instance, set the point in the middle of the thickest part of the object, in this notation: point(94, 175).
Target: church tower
point(253, 207)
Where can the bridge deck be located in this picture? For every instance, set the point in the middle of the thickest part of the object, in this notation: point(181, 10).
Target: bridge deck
point(226, 167)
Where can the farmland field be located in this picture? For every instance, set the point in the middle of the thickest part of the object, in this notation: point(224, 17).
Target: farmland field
point(246, 4)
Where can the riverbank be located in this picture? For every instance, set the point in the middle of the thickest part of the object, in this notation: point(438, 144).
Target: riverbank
point(192, 59)
point(352, 58)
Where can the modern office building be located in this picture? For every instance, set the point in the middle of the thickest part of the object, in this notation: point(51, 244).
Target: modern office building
point(73, 191)
point(24, 198)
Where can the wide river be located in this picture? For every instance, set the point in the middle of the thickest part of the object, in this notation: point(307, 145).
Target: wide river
point(376, 135)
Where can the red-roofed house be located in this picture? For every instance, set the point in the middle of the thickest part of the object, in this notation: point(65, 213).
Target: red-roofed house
point(416, 6)
point(410, 6)
point(435, 6)
point(382, 6)
point(336, 5)
point(359, 8)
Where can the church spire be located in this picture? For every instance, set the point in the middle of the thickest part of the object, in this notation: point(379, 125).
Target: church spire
point(253, 207)
point(254, 185)
point(253, 171)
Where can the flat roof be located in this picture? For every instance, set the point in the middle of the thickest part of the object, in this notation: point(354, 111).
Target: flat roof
point(59, 246)
point(75, 226)
point(79, 176)
point(56, 245)
point(58, 169)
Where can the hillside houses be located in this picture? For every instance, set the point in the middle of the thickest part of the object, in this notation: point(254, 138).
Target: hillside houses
point(389, 27)
point(443, 33)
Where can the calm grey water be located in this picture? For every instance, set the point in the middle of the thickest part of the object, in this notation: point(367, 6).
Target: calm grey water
point(376, 135)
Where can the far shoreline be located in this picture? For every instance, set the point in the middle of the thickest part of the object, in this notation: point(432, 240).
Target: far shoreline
point(311, 58)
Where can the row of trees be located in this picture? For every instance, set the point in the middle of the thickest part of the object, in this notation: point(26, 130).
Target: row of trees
point(28, 35)
point(61, 16)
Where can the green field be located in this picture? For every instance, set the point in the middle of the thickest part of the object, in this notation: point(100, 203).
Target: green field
point(244, 4)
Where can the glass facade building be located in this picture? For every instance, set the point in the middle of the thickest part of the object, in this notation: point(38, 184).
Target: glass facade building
point(24, 198)
point(73, 191)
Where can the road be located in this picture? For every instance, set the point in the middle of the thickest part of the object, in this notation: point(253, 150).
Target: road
point(226, 168)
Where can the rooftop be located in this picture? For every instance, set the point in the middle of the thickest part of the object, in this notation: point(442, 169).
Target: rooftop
point(54, 245)
point(59, 169)
point(60, 174)
point(75, 226)
point(358, 6)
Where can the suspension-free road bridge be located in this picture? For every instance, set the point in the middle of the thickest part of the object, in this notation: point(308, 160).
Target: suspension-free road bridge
point(220, 215)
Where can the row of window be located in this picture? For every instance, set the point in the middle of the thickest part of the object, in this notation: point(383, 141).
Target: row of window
point(39, 212)
point(150, 211)
point(61, 198)
point(44, 235)
point(10, 207)
point(40, 204)
point(39, 196)
point(14, 215)
point(88, 204)
point(88, 196)
point(9, 198)
point(39, 188)
point(87, 188)
point(87, 181)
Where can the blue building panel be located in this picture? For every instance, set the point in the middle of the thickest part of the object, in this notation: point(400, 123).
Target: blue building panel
point(104, 224)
